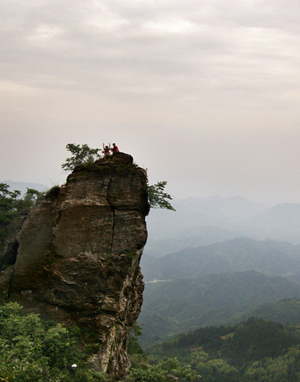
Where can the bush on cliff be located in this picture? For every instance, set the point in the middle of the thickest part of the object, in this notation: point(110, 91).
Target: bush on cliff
point(157, 196)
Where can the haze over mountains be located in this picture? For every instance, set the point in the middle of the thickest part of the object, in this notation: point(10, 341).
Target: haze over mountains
point(214, 260)
point(241, 254)
point(204, 221)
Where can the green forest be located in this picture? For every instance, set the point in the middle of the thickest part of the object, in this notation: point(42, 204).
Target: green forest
point(184, 305)
point(34, 350)
point(254, 350)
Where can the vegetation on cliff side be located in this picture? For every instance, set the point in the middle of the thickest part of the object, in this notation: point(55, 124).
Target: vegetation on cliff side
point(36, 351)
point(157, 196)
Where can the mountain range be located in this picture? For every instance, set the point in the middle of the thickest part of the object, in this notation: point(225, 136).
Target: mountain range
point(204, 221)
point(240, 254)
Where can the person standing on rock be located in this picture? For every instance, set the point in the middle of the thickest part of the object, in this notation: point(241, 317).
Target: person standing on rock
point(106, 150)
point(115, 148)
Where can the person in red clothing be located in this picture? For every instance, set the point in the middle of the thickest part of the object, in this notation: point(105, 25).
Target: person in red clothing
point(106, 150)
point(115, 148)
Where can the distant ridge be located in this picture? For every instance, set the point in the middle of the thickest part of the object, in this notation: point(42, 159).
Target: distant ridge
point(22, 186)
point(199, 221)
point(205, 221)
point(282, 311)
point(287, 213)
point(236, 255)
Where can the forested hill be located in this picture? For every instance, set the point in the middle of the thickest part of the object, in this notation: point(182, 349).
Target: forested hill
point(236, 344)
point(282, 311)
point(183, 305)
point(256, 350)
point(240, 254)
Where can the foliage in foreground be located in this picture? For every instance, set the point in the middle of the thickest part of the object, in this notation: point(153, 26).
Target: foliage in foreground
point(32, 350)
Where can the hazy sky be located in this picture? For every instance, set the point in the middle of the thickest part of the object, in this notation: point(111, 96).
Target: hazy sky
point(205, 94)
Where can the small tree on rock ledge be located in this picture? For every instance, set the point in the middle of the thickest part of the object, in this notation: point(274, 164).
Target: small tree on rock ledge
point(158, 198)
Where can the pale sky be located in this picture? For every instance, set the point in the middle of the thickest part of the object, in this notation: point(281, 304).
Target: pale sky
point(205, 94)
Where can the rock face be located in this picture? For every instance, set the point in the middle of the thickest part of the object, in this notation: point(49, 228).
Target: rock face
point(78, 255)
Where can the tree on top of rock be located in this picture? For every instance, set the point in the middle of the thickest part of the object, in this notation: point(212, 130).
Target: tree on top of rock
point(80, 154)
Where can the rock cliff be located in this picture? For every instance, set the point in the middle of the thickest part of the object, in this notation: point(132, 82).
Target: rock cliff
point(78, 253)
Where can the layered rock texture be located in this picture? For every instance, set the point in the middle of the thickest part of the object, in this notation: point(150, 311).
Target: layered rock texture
point(78, 253)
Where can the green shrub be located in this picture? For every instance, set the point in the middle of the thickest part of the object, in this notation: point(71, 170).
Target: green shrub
point(162, 371)
point(53, 192)
point(32, 350)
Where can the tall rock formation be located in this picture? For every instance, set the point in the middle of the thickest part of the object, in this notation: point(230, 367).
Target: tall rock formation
point(78, 255)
